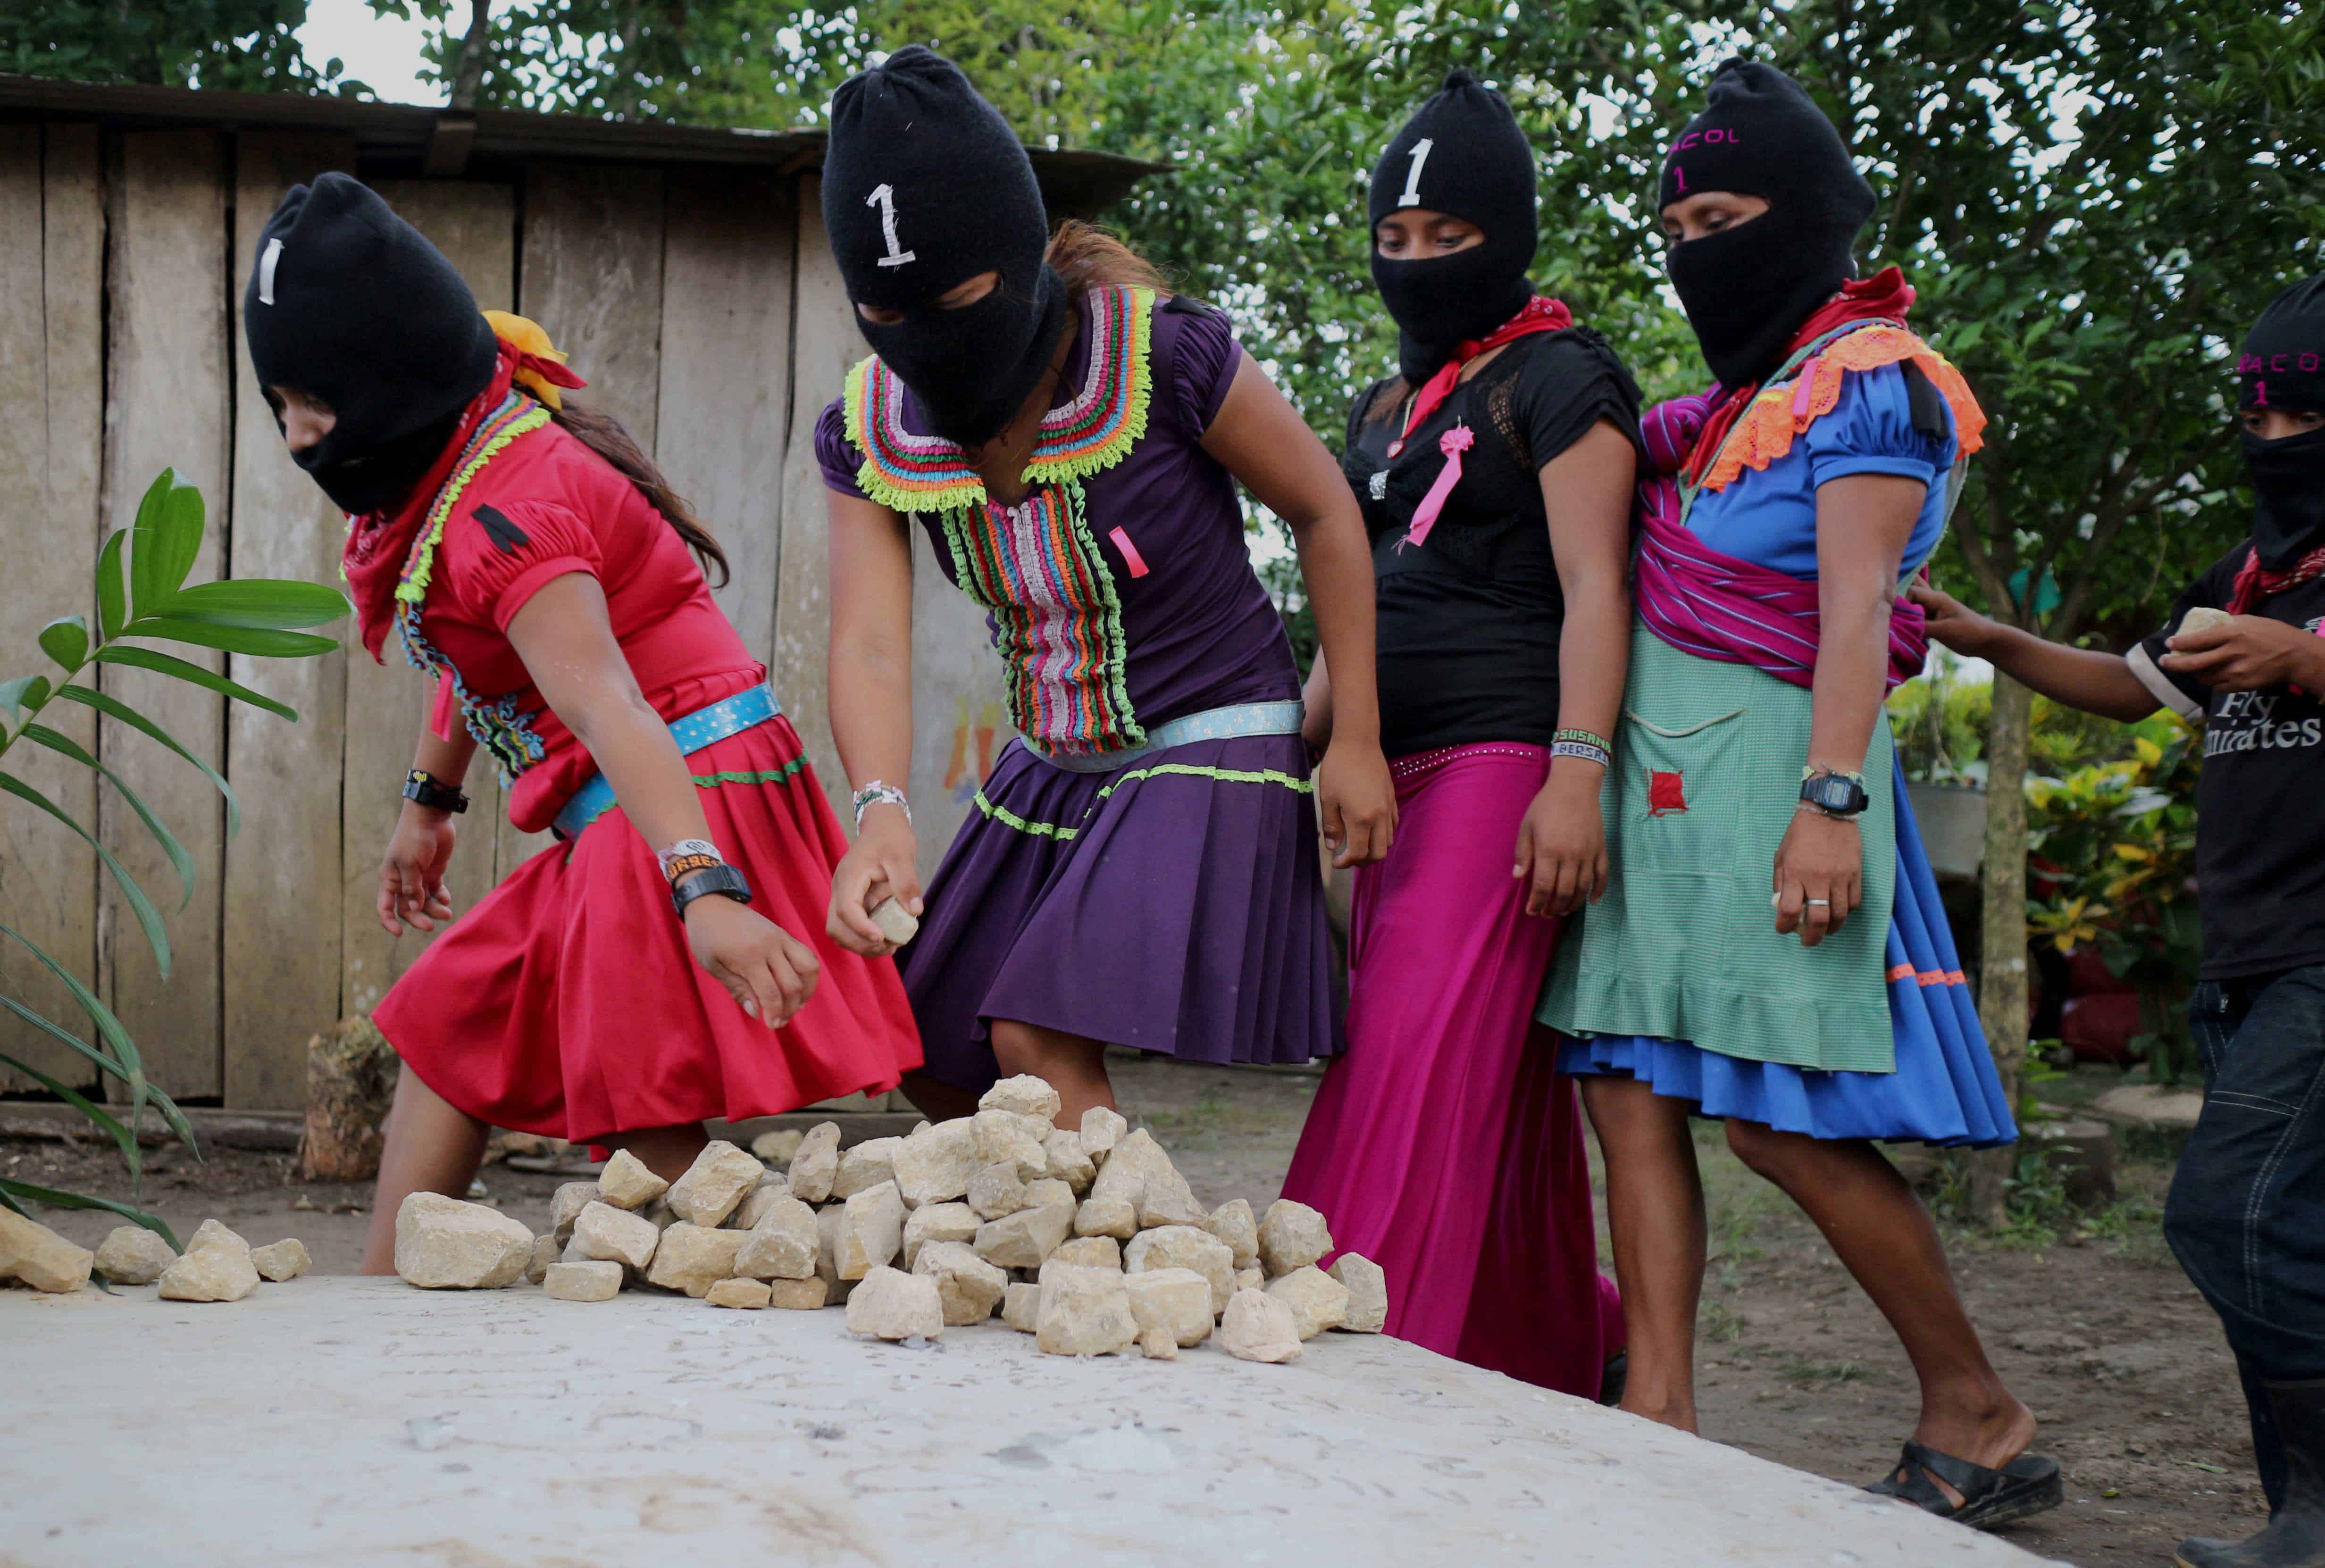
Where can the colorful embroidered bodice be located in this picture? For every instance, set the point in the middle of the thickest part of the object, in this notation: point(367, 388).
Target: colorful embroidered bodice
point(504, 733)
point(1036, 567)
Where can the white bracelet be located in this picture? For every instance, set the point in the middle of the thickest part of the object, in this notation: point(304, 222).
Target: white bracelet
point(685, 848)
point(877, 793)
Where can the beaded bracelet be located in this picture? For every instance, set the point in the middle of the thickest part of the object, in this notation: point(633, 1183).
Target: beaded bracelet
point(877, 793)
point(1587, 737)
point(1582, 751)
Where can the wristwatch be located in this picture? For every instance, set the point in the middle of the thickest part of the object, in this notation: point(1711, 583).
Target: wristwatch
point(1834, 794)
point(722, 879)
point(422, 788)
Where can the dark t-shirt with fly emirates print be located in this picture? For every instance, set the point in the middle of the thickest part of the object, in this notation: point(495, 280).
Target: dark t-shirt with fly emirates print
point(2260, 803)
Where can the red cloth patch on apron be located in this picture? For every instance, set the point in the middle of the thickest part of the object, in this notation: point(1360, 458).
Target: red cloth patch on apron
point(1664, 793)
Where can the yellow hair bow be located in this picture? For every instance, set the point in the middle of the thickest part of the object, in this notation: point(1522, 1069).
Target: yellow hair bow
point(540, 368)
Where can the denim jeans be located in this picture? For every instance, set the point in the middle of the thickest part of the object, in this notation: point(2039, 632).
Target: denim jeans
point(2247, 1212)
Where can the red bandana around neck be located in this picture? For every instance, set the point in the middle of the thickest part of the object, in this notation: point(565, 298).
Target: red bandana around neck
point(1885, 296)
point(1541, 314)
point(379, 541)
point(2255, 582)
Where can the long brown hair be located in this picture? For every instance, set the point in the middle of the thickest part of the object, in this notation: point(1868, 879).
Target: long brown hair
point(1090, 257)
point(608, 437)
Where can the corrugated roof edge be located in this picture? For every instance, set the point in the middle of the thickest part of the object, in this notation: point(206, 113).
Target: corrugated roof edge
point(1074, 182)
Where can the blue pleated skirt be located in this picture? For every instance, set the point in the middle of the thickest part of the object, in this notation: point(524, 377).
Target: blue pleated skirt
point(1944, 1090)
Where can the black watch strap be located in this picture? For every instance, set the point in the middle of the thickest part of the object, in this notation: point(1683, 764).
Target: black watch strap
point(722, 879)
point(1834, 794)
point(422, 788)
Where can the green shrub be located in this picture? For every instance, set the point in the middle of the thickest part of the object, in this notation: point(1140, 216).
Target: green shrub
point(256, 617)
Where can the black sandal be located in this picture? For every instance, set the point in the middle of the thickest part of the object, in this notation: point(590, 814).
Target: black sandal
point(2026, 1486)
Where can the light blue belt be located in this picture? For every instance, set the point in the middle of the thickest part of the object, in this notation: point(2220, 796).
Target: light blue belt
point(1227, 724)
point(702, 727)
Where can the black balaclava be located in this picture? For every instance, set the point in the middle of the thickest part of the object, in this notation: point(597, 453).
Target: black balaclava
point(1479, 167)
point(2283, 366)
point(1747, 290)
point(925, 187)
point(350, 304)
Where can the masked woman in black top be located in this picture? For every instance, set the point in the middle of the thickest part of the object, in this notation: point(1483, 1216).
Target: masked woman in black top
point(1495, 472)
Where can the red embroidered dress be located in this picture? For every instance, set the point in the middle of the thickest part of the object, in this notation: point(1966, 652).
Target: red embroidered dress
point(567, 1003)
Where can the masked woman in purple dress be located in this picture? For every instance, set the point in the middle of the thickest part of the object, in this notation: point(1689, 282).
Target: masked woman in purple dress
point(1141, 868)
point(1495, 472)
point(1771, 950)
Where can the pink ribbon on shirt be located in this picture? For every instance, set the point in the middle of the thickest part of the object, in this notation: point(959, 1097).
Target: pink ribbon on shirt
point(1452, 443)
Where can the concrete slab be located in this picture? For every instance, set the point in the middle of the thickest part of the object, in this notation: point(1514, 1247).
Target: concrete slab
point(348, 1421)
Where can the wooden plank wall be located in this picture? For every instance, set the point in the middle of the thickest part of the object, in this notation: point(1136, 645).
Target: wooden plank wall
point(281, 963)
point(166, 406)
point(703, 307)
point(52, 375)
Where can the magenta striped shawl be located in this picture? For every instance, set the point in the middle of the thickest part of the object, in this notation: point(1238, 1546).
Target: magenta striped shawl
point(1717, 606)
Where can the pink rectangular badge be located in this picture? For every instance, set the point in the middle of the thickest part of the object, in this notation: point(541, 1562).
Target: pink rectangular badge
point(1131, 557)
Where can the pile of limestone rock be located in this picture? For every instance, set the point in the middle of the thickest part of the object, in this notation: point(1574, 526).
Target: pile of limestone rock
point(1088, 1239)
point(216, 1264)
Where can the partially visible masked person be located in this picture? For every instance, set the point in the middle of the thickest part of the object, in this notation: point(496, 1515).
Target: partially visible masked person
point(1494, 471)
point(1817, 1020)
point(1140, 868)
point(2244, 653)
point(532, 561)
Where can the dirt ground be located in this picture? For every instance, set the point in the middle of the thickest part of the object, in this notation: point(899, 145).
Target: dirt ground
point(2086, 1315)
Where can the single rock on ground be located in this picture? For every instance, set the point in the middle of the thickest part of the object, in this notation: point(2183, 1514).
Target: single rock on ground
point(796, 1295)
point(1083, 1312)
point(1025, 1095)
point(1101, 1129)
point(776, 1148)
point(1016, 1139)
point(591, 1281)
point(565, 1206)
point(968, 1287)
point(546, 1251)
point(865, 1167)
point(1175, 1301)
point(871, 1233)
point(1090, 1252)
point(1291, 1236)
point(1185, 1247)
point(748, 1293)
point(31, 1252)
point(1368, 1287)
point(781, 1245)
point(815, 1164)
point(938, 1222)
point(758, 1203)
point(627, 1183)
point(217, 1267)
point(1112, 1215)
point(1232, 1223)
point(891, 1304)
point(1069, 1162)
point(996, 1190)
point(288, 1258)
point(934, 1165)
point(445, 1244)
point(714, 1183)
point(129, 1255)
point(693, 1257)
point(1157, 1345)
point(1256, 1327)
point(616, 1235)
point(1025, 1238)
point(1317, 1300)
point(1021, 1307)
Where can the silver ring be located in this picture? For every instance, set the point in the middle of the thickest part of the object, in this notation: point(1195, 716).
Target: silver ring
point(1818, 901)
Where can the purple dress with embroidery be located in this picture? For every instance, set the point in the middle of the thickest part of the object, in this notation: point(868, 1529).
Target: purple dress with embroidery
point(1174, 903)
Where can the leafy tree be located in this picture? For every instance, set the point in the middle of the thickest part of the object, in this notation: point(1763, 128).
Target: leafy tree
point(245, 46)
